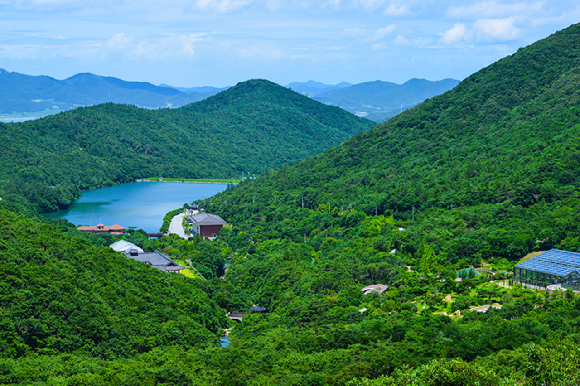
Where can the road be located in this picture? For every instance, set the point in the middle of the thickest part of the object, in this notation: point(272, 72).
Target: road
point(175, 226)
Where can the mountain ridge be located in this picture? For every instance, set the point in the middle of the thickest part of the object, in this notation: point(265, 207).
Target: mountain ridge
point(381, 100)
point(252, 127)
point(22, 93)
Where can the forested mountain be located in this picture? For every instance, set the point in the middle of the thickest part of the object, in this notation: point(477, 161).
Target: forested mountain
point(382, 100)
point(20, 93)
point(486, 172)
point(252, 127)
point(63, 295)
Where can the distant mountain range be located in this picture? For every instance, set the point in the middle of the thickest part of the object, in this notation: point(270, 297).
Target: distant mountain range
point(202, 89)
point(312, 88)
point(378, 100)
point(23, 94)
point(27, 95)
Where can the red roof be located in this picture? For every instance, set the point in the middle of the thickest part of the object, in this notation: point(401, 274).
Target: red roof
point(115, 229)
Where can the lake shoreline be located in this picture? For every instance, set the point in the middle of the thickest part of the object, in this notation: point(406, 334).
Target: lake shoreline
point(193, 182)
point(142, 206)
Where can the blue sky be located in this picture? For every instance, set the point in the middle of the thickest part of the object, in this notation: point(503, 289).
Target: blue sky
point(222, 42)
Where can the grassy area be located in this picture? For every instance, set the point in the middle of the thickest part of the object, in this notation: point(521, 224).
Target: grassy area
point(529, 256)
point(195, 180)
point(189, 273)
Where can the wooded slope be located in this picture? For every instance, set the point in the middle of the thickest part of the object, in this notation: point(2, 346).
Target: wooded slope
point(58, 294)
point(252, 127)
point(488, 168)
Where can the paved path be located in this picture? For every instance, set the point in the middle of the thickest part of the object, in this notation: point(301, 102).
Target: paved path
point(175, 226)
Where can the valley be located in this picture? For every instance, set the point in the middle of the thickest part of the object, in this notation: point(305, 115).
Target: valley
point(375, 254)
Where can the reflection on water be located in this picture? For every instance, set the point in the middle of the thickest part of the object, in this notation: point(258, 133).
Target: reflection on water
point(139, 204)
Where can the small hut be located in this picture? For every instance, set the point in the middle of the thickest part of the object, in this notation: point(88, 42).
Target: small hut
point(258, 310)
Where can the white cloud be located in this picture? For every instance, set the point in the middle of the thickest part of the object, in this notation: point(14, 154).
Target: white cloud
point(378, 47)
point(381, 33)
point(220, 6)
point(484, 30)
point(266, 52)
point(455, 34)
point(370, 5)
point(119, 41)
point(489, 9)
point(169, 46)
point(46, 4)
point(397, 9)
point(496, 29)
point(353, 32)
point(400, 40)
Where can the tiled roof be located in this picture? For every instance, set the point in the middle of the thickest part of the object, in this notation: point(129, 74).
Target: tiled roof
point(553, 262)
point(158, 260)
point(206, 219)
point(102, 228)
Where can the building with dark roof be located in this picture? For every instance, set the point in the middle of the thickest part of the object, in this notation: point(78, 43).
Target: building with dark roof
point(258, 309)
point(551, 267)
point(206, 224)
point(155, 259)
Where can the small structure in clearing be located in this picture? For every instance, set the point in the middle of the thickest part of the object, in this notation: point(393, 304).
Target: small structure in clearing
point(258, 309)
point(379, 288)
point(125, 246)
point(155, 259)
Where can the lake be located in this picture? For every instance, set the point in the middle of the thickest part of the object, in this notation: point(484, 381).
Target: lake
point(139, 204)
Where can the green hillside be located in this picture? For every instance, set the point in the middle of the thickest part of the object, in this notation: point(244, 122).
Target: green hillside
point(486, 172)
point(62, 295)
point(252, 127)
point(488, 168)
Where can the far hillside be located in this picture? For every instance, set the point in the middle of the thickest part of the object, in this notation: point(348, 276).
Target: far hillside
point(312, 88)
point(27, 95)
point(252, 127)
point(379, 101)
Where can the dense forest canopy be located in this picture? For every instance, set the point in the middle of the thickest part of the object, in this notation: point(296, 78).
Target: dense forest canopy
point(252, 127)
point(470, 180)
point(62, 295)
point(488, 168)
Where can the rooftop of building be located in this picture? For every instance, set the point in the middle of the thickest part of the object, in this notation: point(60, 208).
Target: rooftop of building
point(125, 246)
point(206, 219)
point(553, 262)
point(155, 259)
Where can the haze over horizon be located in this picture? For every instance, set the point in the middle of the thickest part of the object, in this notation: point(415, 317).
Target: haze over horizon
point(222, 42)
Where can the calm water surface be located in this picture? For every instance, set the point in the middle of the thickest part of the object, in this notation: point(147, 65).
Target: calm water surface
point(139, 204)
